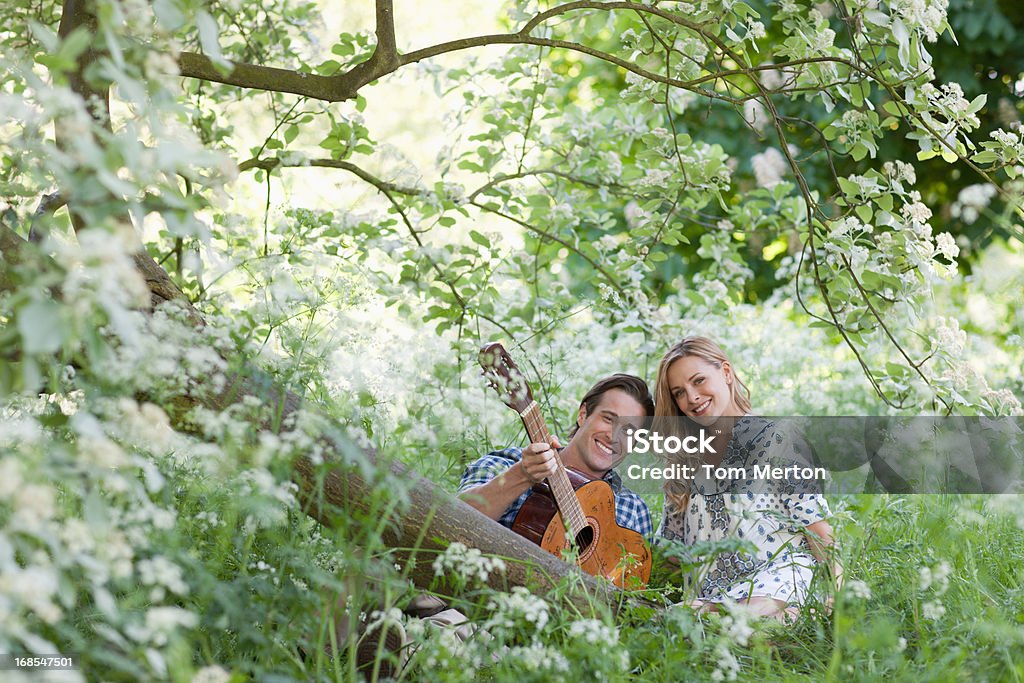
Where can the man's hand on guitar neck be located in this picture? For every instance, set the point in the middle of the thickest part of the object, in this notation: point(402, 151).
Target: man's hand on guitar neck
point(538, 461)
point(494, 497)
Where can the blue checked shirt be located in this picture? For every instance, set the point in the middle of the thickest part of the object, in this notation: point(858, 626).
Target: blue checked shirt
point(630, 509)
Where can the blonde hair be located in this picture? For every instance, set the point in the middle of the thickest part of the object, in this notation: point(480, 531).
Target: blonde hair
point(665, 405)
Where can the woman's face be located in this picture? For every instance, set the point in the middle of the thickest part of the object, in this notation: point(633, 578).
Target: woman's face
point(702, 390)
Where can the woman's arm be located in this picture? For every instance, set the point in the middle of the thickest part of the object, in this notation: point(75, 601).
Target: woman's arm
point(822, 547)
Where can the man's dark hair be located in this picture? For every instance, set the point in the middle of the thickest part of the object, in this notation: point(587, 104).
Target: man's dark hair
point(631, 384)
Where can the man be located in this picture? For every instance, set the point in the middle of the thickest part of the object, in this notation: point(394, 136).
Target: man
point(499, 483)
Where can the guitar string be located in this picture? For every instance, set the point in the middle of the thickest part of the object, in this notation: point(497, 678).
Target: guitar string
point(559, 482)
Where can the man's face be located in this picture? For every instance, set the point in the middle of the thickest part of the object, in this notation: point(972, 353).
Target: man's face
point(596, 446)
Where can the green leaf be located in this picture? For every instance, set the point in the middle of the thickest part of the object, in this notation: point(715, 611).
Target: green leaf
point(328, 67)
point(39, 324)
point(902, 37)
point(208, 39)
point(291, 132)
point(480, 239)
point(76, 43)
point(986, 157)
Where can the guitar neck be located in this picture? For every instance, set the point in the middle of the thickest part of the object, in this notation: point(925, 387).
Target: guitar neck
point(561, 489)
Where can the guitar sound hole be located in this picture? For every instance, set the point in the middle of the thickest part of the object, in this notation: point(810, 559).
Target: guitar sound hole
point(584, 538)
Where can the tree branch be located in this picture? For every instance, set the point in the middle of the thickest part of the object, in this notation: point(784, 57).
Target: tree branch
point(387, 51)
point(385, 58)
point(272, 163)
point(325, 88)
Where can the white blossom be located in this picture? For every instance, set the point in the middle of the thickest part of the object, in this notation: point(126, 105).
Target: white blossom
point(510, 609)
point(594, 632)
point(950, 337)
point(933, 610)
point(972, 200)
point(161, 622)
point(946, 245)
point(769, 167)
point(935, 578)
point(925, 16)
point(737, 626)
point(212, 674)
point(469, 563)
point(858, 589)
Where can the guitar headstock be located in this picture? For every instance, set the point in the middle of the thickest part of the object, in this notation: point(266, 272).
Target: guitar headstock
point(504, 377)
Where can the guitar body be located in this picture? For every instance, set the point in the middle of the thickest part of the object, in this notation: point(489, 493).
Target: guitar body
point(602, 545)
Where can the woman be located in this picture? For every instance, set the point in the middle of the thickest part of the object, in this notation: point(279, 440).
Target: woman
point(785, 519)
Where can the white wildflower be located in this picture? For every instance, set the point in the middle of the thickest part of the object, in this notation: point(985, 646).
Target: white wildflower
point(538, 657)
point(511, 609)
point(736, 626)
point(212, 674)
point(161, 622)
point(727, 666)
point(33, 506)
point(858, 589)
point(933, 610)
point(162, 573)
point(34, 586)
point(594, 632)
point(10, 477)
point(469, 563)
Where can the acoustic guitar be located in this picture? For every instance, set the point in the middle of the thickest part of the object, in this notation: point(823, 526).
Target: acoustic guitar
point(568, 509)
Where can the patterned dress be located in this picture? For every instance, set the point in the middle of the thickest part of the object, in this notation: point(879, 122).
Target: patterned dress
point(770, 513)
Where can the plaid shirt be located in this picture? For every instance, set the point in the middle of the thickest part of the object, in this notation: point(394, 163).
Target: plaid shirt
point(630, 509)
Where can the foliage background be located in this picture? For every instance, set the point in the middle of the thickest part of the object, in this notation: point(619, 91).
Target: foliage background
point(359, 251)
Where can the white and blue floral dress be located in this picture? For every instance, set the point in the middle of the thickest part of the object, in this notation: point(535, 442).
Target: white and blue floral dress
point(769, 513)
